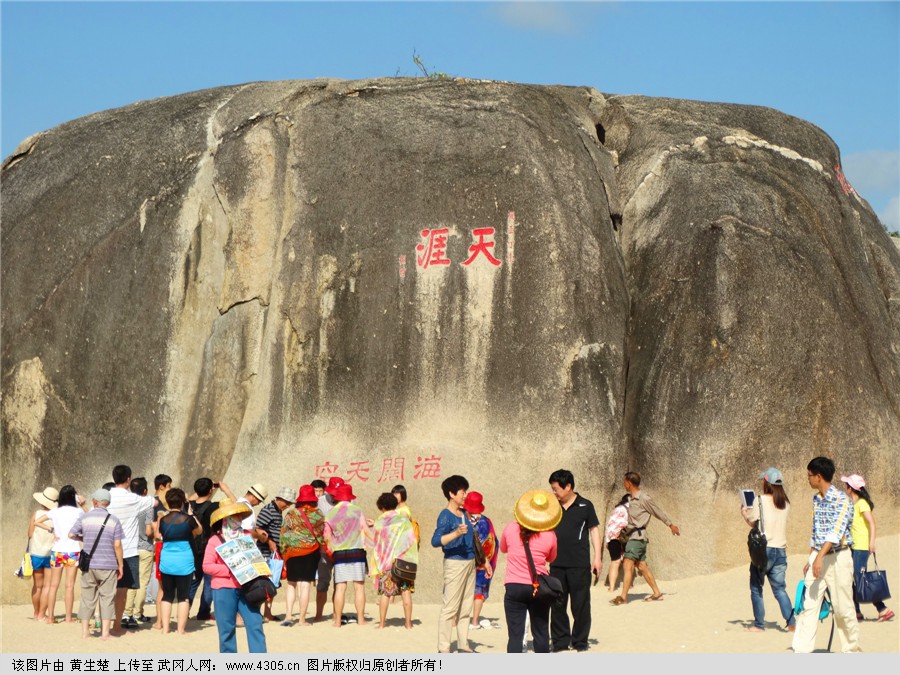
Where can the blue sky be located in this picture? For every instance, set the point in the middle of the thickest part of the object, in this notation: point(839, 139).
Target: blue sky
point(836, 64)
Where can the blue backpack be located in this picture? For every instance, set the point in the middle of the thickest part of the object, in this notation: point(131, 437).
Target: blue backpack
point(824, 610)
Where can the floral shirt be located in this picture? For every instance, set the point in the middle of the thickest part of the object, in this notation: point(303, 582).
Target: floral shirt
point(296, 537)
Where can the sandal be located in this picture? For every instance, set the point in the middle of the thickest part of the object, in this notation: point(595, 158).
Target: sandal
point(887, 616)
point(618, 600)
point(653, 597)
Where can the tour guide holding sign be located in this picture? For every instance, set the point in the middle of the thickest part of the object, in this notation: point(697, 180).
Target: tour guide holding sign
point(225, 523)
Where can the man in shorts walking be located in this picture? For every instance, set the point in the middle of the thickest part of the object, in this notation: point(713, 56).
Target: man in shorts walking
point(640, 509)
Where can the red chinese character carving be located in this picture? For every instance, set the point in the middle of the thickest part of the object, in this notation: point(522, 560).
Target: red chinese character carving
point(846, 188)
point(482, 246)
point(433, 251)
point(325, 470)
point(392, 469)
point(428, 467)
point(358, 470)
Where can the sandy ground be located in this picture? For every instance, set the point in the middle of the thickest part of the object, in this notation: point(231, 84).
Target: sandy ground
point(706, 614)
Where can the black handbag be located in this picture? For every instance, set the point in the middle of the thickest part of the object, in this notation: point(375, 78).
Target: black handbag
point(84, 559)
point(547, 589)
point(757, 544)
point(872, 586)
point(403, 571)
point(258, 590)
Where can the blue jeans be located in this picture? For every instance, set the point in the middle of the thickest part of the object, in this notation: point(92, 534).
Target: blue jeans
point(204, 611)
point(860, 561)
point(775, 572)
point(229, 603)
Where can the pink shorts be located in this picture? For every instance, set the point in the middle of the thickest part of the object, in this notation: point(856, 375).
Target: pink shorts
point(64, 559)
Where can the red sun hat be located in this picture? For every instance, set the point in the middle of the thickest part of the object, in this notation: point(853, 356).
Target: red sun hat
point(333, 484)
point(474, 503)
point(307, 495)
point(343, 493)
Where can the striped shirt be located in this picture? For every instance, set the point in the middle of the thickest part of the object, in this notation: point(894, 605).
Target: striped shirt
point(269, 519)
point(127, 507)
point(88, 527)
point(832, 516)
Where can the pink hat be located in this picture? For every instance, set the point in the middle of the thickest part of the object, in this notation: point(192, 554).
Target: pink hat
point(855, 481)
point(474, 503)
point(333, 484)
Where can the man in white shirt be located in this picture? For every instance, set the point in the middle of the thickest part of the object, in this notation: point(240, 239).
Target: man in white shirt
point(127, 507)
point(256, 495)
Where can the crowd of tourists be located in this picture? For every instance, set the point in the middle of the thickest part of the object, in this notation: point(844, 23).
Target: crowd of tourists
point(317, 539)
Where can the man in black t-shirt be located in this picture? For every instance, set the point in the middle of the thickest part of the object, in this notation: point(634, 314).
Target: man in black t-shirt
point(203, 506)
point(578, 530)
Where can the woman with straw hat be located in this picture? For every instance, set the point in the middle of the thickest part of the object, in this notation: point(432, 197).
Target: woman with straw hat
point(40, 544)
point(537, 512)
point(225, 523)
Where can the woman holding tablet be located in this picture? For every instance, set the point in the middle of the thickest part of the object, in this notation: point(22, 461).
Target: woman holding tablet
point(772, 507)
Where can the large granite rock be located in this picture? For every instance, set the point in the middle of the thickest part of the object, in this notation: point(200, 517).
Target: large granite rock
point(277, 280)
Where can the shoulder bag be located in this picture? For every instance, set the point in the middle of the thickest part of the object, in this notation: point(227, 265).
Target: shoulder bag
point(547, 589)
point(25, 570)
point(84, 560)
point(757, 543)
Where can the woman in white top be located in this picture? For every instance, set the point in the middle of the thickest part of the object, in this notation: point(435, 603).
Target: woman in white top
point(40, 542)
point(64, 552)
point(775, 506)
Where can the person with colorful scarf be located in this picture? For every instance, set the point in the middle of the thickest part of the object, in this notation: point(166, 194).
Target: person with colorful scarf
point(394, 539)
point(225, 523)
point(301, 540)
point(484, 528)
point(346, 534)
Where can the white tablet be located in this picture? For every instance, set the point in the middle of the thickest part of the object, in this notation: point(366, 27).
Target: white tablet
point(747, 498)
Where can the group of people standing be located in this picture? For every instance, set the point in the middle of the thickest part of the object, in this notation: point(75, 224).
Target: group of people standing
point(556, 532)
point(843, 537)
point(322, 538)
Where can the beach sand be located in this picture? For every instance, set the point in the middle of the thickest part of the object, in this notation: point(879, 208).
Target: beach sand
point(703, 614)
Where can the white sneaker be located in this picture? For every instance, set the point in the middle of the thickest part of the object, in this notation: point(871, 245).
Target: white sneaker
point(486, 623)
point(474, 626)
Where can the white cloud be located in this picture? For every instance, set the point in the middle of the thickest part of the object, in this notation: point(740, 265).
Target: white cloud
point(543, 16)
point(873, 171)
point(890, 216)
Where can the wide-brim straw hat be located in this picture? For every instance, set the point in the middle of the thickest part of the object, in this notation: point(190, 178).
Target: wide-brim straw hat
point(538, 510)
point(49, 498)
point(227, 508)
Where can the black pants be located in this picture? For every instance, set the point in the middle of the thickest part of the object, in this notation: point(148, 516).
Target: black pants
point(519, 601)
point(576, 583)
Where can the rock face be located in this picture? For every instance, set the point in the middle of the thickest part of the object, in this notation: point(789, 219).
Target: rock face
point(398, 280)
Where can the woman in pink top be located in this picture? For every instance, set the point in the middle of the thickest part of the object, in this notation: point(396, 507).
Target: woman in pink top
point(228, 598)
point(537, 513)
